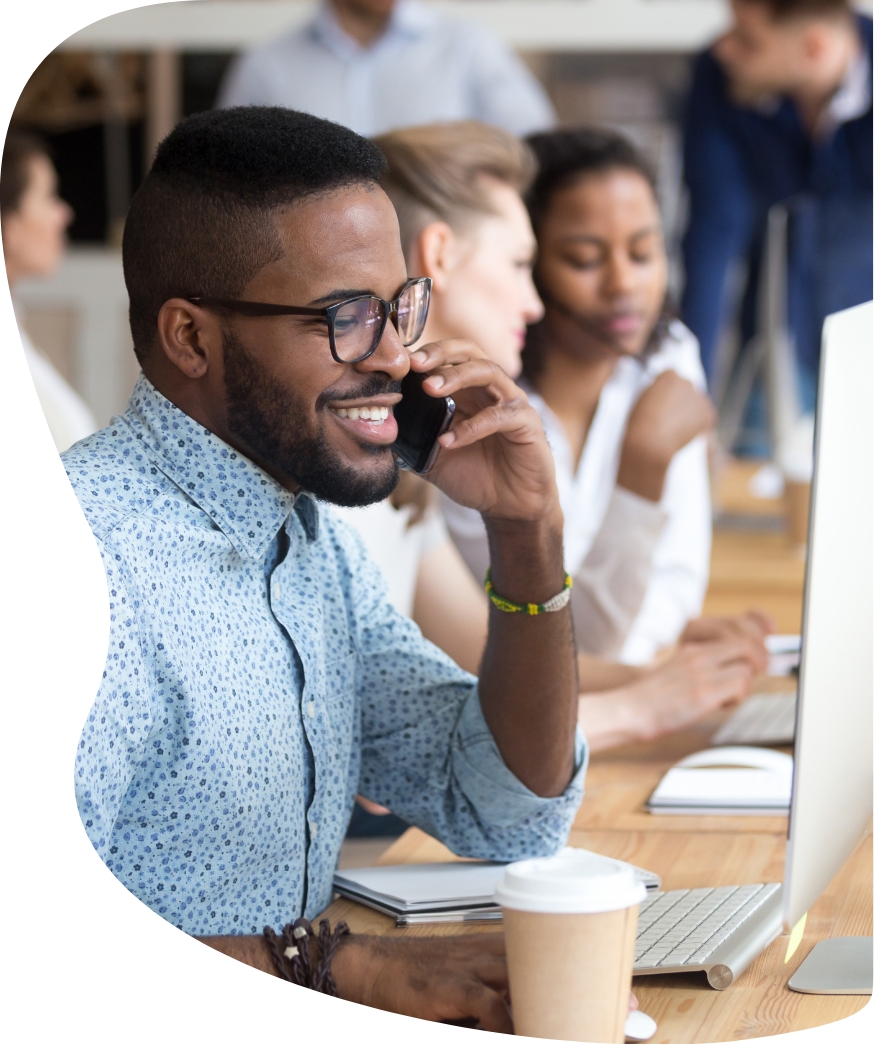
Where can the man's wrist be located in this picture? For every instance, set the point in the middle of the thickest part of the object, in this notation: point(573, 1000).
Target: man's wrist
point(352, 970)
point(527, 563)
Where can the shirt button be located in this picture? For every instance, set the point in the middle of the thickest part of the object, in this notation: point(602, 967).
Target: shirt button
point(314, 828)
point(276, 590)
point(311, 709)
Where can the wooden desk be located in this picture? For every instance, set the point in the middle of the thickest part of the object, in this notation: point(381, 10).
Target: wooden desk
point(687, 852)
point(619, 782)
point(685, 1007)
point(754, 568)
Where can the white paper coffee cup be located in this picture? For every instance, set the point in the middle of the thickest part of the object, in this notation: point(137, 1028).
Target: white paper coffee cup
point(570, 923)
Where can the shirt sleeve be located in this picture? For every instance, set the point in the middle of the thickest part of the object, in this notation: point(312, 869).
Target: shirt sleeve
point(720, 208)
point(115, 734)
point(681, 560)
point(426, 751)
point(505, 92)
point(611, 584)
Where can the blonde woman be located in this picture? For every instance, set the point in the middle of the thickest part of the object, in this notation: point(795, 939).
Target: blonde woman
point(457, 189)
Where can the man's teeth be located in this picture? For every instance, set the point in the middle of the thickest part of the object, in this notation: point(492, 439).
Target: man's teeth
point(364, 413)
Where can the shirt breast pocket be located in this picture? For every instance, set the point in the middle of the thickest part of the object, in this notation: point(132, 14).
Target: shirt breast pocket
point(340, 684)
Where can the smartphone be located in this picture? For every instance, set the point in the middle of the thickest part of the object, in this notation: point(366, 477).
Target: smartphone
point(421, 419)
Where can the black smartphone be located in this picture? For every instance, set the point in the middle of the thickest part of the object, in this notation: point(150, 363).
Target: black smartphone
point(421, 419)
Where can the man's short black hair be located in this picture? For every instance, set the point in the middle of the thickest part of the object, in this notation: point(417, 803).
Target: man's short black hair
point(563, 157)
point(202, 223)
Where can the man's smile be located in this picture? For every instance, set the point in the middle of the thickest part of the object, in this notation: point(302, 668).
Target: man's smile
point(370, 420)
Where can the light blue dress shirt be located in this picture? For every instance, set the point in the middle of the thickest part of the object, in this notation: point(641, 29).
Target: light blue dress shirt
point(257, 678)
point(424, 68)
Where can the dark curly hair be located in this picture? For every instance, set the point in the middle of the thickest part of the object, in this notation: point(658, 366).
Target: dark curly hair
point(202, 223)
point(564, 157)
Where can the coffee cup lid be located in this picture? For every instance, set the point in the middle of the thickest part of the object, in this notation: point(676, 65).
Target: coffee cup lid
point(573, 881)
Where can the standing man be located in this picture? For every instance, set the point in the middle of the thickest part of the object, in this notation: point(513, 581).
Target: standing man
point(780, 110)
point(257, 675)
point(375, 65)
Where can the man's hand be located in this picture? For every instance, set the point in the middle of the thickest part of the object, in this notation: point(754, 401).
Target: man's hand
point(495, 458)
point(432, 978)
point(497, 461)
point(668, 415)
point(457, 979)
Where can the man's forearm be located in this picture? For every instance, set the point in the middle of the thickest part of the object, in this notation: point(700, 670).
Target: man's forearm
point(528, 685)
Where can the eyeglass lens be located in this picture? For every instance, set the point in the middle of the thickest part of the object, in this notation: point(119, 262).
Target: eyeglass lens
point(358, 324)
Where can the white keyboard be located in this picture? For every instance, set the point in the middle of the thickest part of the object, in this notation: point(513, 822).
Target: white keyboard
point(717, 930)
point(768, 718)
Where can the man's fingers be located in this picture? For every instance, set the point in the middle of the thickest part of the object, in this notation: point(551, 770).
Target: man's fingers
point(489, 1007)
point(442, 353)
point(504, 417)
point(470, 374)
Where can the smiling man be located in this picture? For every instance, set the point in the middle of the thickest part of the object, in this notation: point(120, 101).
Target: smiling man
point(257, 676)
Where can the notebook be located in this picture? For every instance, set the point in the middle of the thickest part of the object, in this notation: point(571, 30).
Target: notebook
point(732, 781)
point(419, 894)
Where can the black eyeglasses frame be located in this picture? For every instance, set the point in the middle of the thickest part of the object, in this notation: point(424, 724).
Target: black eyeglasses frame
point(258, 308)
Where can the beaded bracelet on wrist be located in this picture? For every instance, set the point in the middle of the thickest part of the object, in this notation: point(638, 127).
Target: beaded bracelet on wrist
point(293, 960)
point(532, 609)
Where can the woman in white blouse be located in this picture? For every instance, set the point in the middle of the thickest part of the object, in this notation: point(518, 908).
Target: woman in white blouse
point(620, 390)
point(456, 188)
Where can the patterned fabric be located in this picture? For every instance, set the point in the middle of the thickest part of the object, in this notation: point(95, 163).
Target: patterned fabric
point(257, 677)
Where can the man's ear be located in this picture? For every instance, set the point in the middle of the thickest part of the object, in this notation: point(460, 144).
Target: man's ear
point(436, 249)
point(188, 337)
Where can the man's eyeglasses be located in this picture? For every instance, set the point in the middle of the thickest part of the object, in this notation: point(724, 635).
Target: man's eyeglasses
point(355, 325)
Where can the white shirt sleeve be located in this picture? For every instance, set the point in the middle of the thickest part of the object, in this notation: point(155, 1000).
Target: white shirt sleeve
point(612, 582)
point(681, 560)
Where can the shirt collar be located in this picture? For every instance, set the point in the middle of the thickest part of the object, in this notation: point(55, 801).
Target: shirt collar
point(248, 505)
point(408, 20)
point(851, 100)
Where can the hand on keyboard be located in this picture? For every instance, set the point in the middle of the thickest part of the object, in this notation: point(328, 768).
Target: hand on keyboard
point(698, 678)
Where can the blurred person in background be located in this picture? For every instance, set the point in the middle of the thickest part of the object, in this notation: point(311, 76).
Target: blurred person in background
point(374, 65)
point(34, 221)
point(619, 387)
point(457, 191)
point(780, 110)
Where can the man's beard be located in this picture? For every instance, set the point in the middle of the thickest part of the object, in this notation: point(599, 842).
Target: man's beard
point(269, 421)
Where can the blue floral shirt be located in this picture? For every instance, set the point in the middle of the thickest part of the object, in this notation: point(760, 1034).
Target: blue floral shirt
point(257, 678)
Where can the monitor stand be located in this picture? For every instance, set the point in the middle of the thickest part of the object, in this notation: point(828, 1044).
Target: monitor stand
point(839, 966)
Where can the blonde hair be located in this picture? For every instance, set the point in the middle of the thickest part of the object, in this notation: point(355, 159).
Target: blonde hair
point(440, 172)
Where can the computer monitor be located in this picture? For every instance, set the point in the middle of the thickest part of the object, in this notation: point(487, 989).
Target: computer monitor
point(832, 785)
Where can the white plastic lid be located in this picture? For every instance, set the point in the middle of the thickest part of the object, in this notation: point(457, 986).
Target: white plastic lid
point(573, 881)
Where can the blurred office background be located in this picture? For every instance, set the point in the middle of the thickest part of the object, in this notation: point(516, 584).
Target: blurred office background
point(107, 96)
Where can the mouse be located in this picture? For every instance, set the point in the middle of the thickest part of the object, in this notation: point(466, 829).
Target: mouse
point(742, 757)
point(639, 1026)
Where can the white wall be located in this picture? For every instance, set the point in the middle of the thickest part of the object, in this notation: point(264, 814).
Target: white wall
point(90, 285)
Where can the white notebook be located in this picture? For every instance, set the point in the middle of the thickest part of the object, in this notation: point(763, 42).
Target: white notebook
point(732, 781)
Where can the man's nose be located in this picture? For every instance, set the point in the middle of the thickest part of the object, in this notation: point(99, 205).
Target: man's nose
point(390, 356)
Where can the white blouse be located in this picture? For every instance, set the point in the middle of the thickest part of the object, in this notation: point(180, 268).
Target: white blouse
point(640, 570)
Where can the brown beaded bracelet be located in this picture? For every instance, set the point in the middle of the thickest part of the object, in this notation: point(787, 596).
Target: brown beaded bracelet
point(292, 957)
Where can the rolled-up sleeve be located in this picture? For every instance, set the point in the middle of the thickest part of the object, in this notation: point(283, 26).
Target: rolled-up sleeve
point(426, 750)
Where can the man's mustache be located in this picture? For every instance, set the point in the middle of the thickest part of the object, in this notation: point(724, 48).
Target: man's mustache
point(376, 384)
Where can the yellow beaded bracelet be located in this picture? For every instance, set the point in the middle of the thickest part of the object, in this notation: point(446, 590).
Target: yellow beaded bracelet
point(532, 609)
